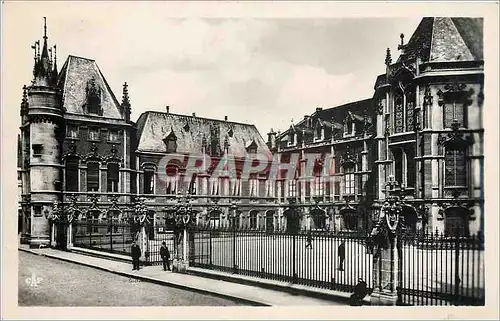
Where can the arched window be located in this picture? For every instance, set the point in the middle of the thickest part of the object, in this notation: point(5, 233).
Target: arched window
point(113, 177)
point(92, 177)
point(71, 172)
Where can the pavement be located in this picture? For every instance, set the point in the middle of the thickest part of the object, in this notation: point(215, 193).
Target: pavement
point(253, 291)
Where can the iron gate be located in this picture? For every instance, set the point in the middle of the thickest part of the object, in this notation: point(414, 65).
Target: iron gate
point(440, 270)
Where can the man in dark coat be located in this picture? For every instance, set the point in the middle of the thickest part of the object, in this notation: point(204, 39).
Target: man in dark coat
point(360, 291)
point(341, 254)
point(165, 256)
point(136, 254)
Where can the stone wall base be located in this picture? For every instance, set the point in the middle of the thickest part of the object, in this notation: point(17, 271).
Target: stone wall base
point(179, 266)
point(384, 298)
point(39, 242)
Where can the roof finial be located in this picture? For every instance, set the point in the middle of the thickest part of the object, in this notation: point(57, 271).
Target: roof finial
point(402, 45)
point(125, 98)
point(37, 50)
point(24, 102)
point(34, 49)
point(55, 58)
point(44, 27)
point(388, 59)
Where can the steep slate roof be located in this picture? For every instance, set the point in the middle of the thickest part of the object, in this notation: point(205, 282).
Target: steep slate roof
point(335, 116)
point(73, 78)
point(440, 39)
point(153, 126)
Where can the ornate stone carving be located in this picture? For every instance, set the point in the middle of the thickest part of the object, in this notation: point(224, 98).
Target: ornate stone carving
point(348, 157)
point(455, 139)
point(455, 92)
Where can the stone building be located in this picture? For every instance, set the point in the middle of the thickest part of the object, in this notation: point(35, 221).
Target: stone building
point(422, 129)
point(338, 198)
point(429, 133)
point(78, 145)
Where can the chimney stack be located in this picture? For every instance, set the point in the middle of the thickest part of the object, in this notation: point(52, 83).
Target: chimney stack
point(319, 109)
point(225, 118)
point(194, 114)
point(168, 109)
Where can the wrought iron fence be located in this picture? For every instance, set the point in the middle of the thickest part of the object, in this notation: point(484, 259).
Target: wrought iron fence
point(285, 256)
point(107, 237)
point(158, 235)
point(439, 270)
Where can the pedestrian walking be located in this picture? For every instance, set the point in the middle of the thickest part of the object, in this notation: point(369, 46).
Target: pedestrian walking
point(309, 240)
point(341, 254)
point(360, 291)
point(136, 254)
point(165, 256)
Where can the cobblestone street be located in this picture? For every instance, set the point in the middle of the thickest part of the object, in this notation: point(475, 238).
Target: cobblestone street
point(48, 282)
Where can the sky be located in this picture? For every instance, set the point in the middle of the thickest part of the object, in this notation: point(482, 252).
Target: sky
point(259, 70)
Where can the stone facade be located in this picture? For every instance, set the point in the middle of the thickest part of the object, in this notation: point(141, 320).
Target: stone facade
point(429, 125)
point(423, 127)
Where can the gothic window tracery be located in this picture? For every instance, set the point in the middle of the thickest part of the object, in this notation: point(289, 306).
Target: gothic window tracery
point(398, 114)
point(410, 107)
point(454, 100)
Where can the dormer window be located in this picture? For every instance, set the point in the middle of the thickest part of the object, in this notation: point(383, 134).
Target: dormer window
point(349, 127)
point(252, 147)
point(292, 138)
point(72, 132)
point(113, 136)
point(171, 146)
point(94, 134)
point(170, 142)
point(319, 132)
point(93, 103)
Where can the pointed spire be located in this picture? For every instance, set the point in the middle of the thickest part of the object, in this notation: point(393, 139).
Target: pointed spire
point(45, 52)
point(43, 70)
point(388, 59)
point(54, 70)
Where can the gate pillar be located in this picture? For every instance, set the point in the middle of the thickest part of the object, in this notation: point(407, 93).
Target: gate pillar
point(69, 236)
point(385, 274)
point(387, 264)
